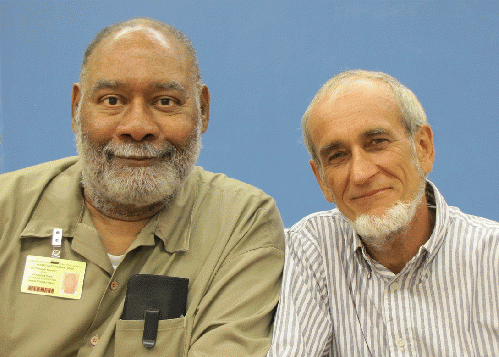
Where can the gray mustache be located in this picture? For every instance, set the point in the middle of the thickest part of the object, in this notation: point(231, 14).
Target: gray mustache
point(135, 150)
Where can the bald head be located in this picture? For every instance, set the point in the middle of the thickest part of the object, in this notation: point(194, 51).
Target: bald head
point(155, 28)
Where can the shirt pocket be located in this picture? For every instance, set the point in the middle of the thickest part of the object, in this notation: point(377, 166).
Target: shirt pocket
point(170, 341)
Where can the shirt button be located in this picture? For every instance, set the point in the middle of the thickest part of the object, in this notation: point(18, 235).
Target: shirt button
point(400, 342)
point(395, 286)
point(114, 285)
point(94, 340)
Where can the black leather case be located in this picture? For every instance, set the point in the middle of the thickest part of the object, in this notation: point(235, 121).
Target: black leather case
point(166, 294)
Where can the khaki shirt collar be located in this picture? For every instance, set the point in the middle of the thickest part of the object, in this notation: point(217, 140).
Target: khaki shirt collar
point(59, 206)
point(179, 213)
point(62, 206)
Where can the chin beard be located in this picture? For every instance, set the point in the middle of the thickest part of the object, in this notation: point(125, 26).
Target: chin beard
point(127, 192)
point(379, 232)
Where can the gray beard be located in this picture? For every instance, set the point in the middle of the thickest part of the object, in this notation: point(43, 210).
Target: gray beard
point(378, 232)
point(125, 191)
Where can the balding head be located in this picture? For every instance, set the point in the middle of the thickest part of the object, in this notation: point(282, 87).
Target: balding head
point(143, 24)
point(413, 115)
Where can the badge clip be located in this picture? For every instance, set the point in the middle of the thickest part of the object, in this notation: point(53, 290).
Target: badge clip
point(56, 244)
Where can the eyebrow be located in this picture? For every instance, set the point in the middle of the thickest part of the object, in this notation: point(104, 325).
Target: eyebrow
point(106, 84)
point(340, 143)
point(331, 147)
point(374, 132)
point(169, 86)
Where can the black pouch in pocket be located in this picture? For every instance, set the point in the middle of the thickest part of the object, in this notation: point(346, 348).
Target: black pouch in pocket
point(166, 294)
point(152, 298)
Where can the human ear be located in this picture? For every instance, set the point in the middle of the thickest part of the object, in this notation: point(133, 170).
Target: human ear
point(75, 102)
point(324, 187)
point(424, 148)
point(204, 101)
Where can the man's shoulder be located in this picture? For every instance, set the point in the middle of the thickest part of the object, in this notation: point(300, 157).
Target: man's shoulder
point(208, 182)
point(470, 228)
point(37, 172)
point(21, 190)
point(245, 213)
point(319, 228)
point(319, 219)
point(466, 232)
point(31, 181)
point(461, 219)
point(323, 233)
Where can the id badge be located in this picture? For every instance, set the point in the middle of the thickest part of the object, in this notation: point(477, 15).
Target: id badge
point(54, 277)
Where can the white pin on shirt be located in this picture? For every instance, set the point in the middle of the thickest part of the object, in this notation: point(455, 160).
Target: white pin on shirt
point(56, 243)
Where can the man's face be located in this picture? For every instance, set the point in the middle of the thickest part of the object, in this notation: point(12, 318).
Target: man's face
point(366, 160)
point(138, 117)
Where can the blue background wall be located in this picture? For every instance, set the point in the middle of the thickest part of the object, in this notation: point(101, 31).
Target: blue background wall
point(263, 62)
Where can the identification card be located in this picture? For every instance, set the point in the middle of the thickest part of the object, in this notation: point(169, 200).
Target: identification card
point(55, 277)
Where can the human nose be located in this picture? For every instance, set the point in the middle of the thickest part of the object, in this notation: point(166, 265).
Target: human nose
point(138, 123)
point(362, 167)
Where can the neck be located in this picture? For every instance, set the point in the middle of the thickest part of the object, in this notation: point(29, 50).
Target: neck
point(403, 246)
point(123, 212)
point(117, 227)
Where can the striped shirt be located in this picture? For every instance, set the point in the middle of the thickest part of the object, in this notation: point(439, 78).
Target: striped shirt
point(337, 301)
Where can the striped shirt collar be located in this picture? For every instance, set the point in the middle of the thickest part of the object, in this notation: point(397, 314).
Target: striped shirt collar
point(427, 251)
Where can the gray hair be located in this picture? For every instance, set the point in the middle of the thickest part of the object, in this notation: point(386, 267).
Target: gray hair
point(413, 114)
point(153, 24)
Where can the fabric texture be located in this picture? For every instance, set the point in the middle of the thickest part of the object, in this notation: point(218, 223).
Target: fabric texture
point(223, 235)
point(337, 301)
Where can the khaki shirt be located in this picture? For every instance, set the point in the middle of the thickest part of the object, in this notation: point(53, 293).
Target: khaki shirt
point(225, 236)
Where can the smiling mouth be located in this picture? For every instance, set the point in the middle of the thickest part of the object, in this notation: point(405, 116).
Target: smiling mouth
point(138, 160)
point(369, 194)
point(137, 157)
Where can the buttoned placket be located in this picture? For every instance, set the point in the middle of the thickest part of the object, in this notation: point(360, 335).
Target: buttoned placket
point(398, 305)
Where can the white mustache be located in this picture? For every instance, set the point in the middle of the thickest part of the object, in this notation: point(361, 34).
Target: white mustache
point(145, 150)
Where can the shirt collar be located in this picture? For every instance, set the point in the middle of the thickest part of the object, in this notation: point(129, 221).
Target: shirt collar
point(61, 206)
point(430, 248)
point(174, 223)
point(436, 201)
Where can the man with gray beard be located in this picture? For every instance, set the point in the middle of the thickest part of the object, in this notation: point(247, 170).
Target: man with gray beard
point(393, 270)
point(132, 204)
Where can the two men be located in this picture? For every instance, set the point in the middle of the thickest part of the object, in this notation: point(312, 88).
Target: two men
point(133, 203)
point(393, 270)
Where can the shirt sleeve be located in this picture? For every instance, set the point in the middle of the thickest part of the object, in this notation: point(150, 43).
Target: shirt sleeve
point(235, 316)
point(303, 323)
point(485, 324)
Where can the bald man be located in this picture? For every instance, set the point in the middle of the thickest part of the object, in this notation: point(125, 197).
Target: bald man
point(132, 203)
